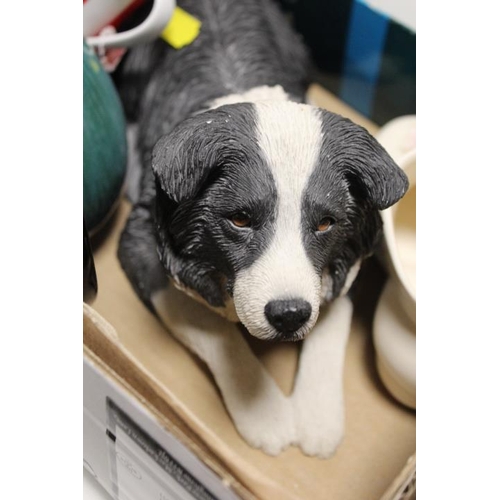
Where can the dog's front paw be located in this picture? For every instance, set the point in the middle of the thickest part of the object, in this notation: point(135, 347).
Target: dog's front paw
point(320, 427)
point(269, 427)
point(321, 441)
point(271, 440)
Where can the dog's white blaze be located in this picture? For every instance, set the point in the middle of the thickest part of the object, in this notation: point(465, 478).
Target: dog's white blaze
point(289, 134)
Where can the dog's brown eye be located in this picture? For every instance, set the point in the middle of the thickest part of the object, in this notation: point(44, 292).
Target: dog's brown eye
point(324, 224)
point(241, 220)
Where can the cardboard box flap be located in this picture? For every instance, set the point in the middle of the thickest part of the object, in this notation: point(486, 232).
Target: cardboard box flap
point(102, 348)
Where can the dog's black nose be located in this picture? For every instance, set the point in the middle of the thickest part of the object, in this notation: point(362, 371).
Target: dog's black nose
point(287, 316)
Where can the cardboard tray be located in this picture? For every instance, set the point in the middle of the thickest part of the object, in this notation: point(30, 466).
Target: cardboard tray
point(374, 461)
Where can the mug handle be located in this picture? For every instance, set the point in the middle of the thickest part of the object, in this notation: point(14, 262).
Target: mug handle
point(152, 26)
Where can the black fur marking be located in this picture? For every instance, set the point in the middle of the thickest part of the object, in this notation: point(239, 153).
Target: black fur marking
point(242, 44)
point(137, 250)
point(208, 169)
point(371, 172)
point(353, 179)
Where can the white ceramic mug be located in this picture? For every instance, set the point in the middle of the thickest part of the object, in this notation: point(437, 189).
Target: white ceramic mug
point(99, 13)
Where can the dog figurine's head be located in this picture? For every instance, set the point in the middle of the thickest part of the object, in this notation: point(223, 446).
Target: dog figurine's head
point(267, 206)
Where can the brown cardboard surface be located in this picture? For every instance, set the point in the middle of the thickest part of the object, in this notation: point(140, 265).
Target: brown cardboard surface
point(121, 367)
point(380, 434)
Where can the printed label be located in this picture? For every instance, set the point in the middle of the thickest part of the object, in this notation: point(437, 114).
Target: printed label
point(141, 468)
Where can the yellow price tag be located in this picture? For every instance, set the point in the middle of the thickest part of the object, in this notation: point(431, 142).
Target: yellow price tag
point(182, 29)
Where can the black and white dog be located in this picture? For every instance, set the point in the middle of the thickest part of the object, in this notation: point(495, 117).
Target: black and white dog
point(257, 207)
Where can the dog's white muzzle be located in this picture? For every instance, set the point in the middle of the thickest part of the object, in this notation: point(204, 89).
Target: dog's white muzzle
point(278, 296)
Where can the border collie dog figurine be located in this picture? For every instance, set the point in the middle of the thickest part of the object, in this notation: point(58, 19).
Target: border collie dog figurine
point(254, 208)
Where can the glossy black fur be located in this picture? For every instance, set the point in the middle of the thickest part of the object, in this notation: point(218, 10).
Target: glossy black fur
point(242, 44)
point(354, 178)
point(207, 165)
point(209, 168)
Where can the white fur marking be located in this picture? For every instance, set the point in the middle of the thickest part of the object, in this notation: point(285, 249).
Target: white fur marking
point(289, 134)
point(351, 276)
point(326, 286)
point(318, 396)
point(260, 411)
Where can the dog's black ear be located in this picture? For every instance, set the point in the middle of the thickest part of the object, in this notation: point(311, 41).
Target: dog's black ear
point(366, 164)
point(184, 159)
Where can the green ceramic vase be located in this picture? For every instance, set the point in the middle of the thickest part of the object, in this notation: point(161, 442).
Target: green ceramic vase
point(104, 143)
